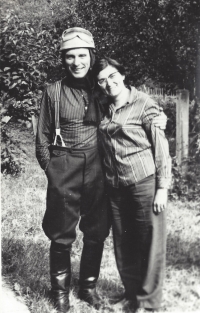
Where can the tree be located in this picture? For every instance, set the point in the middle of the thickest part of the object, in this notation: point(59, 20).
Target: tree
point(154, 39)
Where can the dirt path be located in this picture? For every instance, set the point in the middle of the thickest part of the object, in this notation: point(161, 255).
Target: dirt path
point(10, 302)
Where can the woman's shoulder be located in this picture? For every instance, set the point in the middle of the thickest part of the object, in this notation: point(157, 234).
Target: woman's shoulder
point(140, 94)
point(137, 95)
point(149, 101)
point(144, 101)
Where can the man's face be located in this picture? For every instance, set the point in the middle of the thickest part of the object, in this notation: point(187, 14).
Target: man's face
point(77, 62)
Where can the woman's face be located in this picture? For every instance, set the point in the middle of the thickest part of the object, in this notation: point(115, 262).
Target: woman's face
point(111, 81)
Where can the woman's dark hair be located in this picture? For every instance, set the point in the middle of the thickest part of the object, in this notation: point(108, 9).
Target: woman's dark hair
point(92, 57)
point(102, 63)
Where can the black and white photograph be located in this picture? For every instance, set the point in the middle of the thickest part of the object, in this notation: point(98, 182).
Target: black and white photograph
point(100, 156)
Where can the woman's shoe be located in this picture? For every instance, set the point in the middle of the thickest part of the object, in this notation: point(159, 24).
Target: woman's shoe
point(125, 305)
point(117, 298)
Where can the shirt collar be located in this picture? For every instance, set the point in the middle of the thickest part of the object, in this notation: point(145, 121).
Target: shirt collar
point(133, 95)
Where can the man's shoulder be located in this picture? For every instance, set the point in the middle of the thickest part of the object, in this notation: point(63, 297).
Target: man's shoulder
point(51, 88)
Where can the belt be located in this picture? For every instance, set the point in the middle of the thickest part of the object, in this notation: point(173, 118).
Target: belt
point(72, 149)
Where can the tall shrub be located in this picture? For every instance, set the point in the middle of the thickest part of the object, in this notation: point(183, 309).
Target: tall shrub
point(29, 47)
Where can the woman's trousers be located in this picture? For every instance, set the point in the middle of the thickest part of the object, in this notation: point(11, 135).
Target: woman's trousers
point(139, 241)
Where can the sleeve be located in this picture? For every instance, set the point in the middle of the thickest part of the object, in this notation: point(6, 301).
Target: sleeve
point(44, 136)
point(160, 146)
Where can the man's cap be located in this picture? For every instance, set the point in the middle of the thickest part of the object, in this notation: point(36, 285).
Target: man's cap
point(76, 37)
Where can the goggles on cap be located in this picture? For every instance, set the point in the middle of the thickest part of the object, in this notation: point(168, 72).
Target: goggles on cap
point(76, 38)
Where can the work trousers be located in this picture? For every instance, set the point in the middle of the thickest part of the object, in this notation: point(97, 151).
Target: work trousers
point(75, 189)
point(139, 241)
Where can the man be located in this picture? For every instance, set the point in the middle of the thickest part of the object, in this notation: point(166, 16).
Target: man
point(73, 169)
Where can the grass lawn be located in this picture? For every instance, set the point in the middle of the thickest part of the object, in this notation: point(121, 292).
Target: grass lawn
point(25, 249)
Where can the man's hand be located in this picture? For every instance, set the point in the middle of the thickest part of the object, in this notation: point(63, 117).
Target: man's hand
point(160, 201)
point(160, 120)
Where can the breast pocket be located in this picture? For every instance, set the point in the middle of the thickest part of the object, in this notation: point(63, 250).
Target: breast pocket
point(135, 136)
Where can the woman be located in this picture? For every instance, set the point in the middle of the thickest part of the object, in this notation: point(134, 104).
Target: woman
point(138, 169)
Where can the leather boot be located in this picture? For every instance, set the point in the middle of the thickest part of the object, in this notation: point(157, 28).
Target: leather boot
point(89, 294)
point(89, 273)
point(60, 272)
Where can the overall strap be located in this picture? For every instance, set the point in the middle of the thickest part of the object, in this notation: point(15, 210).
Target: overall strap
point(57, 120)
point(57, 103)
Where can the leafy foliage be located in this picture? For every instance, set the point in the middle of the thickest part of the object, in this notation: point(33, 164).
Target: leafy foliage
point(183, 186)
point(26, 57)
point(29, 55)
point(30, 48)
point(11, 155)
point(154, 39)
point(157, 40)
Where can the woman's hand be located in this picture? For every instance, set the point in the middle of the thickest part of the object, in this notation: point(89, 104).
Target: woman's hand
point(160, 201)
point(160, 120)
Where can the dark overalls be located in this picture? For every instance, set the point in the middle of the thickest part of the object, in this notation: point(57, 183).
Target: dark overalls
point(75, 189)
point(75, 192)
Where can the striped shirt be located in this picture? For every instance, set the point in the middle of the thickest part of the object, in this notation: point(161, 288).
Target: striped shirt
point(133, 147)
point(75, 132)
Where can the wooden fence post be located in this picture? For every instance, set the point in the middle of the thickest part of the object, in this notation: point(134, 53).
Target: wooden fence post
point(182, 128)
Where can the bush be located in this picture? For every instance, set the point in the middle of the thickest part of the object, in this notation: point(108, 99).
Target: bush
point(183, 186)
point(30, 46)
point(12, 155)
point(26, 57)
point(29, 58)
